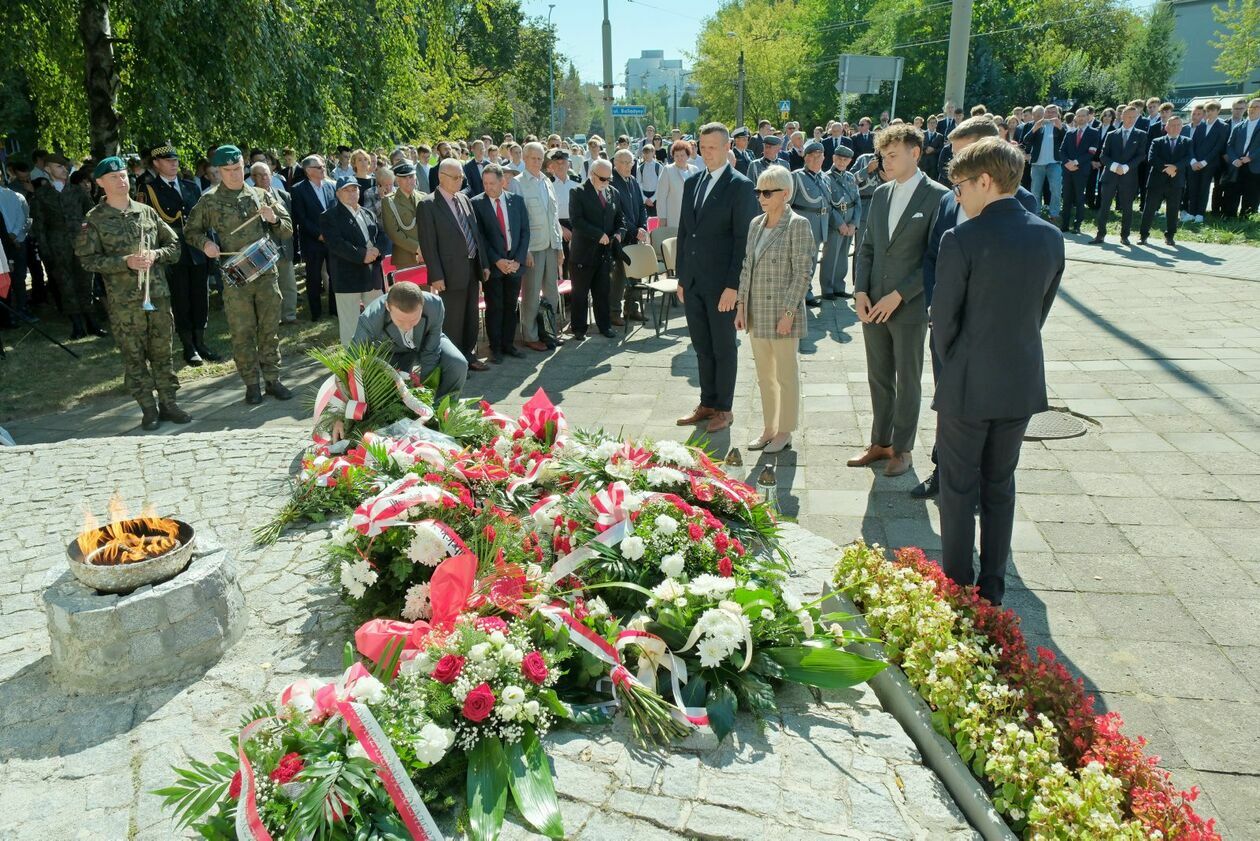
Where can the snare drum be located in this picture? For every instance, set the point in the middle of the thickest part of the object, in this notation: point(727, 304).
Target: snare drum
point(252, 261)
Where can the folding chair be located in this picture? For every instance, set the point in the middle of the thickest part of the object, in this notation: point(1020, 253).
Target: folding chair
point(646, 271)
point(419, 275)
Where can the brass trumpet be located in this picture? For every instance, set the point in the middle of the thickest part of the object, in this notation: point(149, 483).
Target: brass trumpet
point(143, 278)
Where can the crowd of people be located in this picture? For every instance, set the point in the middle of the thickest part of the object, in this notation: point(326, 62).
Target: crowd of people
point(417, 247)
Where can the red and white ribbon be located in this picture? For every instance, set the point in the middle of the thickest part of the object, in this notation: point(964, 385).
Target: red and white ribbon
point(530, 476)
point(570, 562)
point(654, 654)
point(611, 505)
point(352, 402)
point(249, 824)
point(388, 507)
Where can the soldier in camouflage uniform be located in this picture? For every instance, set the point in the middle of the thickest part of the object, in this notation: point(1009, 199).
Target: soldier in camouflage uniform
point(57, 216)
point(239, 215)
point(109, 242)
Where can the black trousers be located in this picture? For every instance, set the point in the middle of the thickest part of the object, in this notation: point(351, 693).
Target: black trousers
point(316, 255)
point(566, 270)
point(1091, 188)
point(463, 314)
point(1162, 189)
point(978, 458)
point(190, 296)
point(717, 350)
point(1198, 186)
point(1249, 183)
point(502, 314)
point(1122, 190)
point(591, 286)
point(1230, 193)
point(1074, 185)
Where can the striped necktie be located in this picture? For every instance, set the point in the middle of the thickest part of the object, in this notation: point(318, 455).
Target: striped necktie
point(465, 229)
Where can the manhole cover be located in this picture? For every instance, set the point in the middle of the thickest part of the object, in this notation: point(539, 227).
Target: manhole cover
point(1054, 425)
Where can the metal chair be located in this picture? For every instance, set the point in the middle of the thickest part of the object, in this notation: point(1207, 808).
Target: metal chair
point(658, 286)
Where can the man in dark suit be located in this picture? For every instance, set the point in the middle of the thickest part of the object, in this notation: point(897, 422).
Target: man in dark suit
point(718, 206)
point(1169, 158)
point(755, 142)
point(623, 303)
point(1122, 151)
point(311, 197)
point(1207, 150)
point(454, 253)
point(986, 323)
point(504, 224)
point(951, 214)
point(933, 143)
point(1077, 150)
point(598, 229)
point(1226, 190)
point(1244, 156)
point(888, 285)
point(408, 321)
point(864, 141)
point(355, 241)
point(474, 168)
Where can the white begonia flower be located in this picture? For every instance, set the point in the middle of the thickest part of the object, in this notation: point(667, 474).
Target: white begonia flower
point(426, 548)
point(660, 477)
point(513, 695)
point(497, 639)
point(417, 605)
point(712, 652)
point(479, 652)
point(355, 750)
point(597, 608)
point(672, 565)
point(368, 689)
point(665, 524)
point(633, 547)
point(432, 743)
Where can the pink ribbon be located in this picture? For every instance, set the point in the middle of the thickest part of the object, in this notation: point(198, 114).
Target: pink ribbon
point(610, 506)
point(449, 591)
point(387, 507)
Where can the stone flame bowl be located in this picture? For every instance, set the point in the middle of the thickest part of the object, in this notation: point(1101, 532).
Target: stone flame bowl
point(123, 578)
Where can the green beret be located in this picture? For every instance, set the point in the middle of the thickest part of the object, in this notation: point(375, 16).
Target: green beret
point(225, 155)
point(108, 165)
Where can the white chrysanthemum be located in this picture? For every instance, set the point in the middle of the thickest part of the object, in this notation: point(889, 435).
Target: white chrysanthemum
point(596, 608)
point(503, 446)
point(417, 605)
point(675, 453)
point(665, 524)
point(712, 652)
point(356, 577)
point(368, 689)
point(790, 601)
point(426, 548)
point(667, 590)
point(403, 459)
point(712, 586)
point(672, 565)
point(662, 477)
point(606, 450)
point(432, 743)
point(632, 547)
point(620, 469)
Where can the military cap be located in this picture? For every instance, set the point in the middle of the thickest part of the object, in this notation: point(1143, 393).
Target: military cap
point(742, 131)
point(58, 159)
point(108, 165)
point(772, 140)
point(813, 146)
point(226, 155)
point(402, 170)
point(166, 150)
point(557, 155)
point(346, 181)
point(842, 151)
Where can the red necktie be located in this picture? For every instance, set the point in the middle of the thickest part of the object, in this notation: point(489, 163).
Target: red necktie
point(603, 202)
point(498, 211)
point(1079, 133)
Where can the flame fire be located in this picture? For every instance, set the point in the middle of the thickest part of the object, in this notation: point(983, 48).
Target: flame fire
point(126, 540)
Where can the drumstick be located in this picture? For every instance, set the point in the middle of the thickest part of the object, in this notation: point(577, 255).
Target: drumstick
point(246, 222)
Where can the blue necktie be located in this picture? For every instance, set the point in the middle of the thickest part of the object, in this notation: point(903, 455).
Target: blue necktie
point(700, 188)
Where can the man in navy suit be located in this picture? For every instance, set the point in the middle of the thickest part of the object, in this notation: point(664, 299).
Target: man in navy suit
point(598, 230)
point(718, 206)
point(949, 215)
point(474, 168)
point(986, 324)
point(504, 224)
point(864, 141)
point(1244, 156)
point(1078, 150)
point(1123, 150)
point(1169, 158)
point(311, 198)
point(1207, 150)
point(933, 142)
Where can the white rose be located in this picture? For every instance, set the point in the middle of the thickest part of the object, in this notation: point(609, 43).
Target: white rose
point(531, 710)
point(497, 639)
point(511, 654)
point(633, 548)
point(479, 652)
point(672, 565)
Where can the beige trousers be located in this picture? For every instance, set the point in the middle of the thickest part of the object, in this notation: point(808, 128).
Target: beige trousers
point(348, 311)
point(778, 378)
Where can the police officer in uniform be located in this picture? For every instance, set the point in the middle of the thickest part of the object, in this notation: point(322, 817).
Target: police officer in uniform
point(811, 198)
point(398, 215)
point(109, 242)
point(770, 151)
point(846, 215)
point(239, 215)
point(173, 198)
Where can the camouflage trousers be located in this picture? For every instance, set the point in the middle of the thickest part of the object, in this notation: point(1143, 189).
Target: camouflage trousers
point(253, 316)
point(74, 284)
point(144, 339)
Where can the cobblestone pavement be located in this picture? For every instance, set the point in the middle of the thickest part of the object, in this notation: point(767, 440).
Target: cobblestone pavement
point(1137, 546)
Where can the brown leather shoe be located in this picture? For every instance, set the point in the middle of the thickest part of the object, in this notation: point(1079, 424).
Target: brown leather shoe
point(700, 413)
point(476, 364)
point(872, 454)
point(538, 346)
point(617, 321)
point(898, 464)
point(720, 421)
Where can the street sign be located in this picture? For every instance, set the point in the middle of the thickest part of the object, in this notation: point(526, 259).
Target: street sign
point(629, 110)
point(863, 74)
point(785, 105)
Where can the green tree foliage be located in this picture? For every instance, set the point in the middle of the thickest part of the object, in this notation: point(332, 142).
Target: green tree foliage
point(1239, 44)
point(1153, 56)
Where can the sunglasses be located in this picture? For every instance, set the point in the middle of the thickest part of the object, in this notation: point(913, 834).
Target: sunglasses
point(601, 179)
point(957, 185)
point(765, 194)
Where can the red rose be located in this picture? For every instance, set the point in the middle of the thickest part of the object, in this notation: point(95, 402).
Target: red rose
point(447, 669)
point(534, 668)
point(479, 703)
point(234, 789)
point(695, 532)
point(289, 766)
point(725, 568)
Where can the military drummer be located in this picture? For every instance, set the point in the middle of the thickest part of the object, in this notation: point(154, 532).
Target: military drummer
point(239, 215)
point(110, 241)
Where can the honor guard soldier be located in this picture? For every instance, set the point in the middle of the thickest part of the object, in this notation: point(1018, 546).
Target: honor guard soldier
point(398, 215)
point(846, 215)
point(811, 198)
point(241, 217)
point(127, 244)
point(53, 207)
point(174, 197)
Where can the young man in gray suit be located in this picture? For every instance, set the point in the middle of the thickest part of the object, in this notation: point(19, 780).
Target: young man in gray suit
point(986, 324)
point(888, 284)
point(408, 321)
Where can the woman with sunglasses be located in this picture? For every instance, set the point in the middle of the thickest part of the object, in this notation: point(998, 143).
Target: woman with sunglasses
point(778, 266)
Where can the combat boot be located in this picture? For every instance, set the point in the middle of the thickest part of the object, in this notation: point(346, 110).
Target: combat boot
point(190, 351)
point(77, 330)
point(92, 327)
point(278, 390)
point(253, 395)
point(150, 420)
point(199, 342)
point(168, 410)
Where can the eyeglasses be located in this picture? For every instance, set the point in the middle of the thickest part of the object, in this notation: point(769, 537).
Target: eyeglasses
point(456, 175)
point(957, 185)
point(765, 194)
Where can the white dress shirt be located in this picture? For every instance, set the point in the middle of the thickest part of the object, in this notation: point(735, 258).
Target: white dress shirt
point(563, 189)
point(901, 193)
point(707, 186)
point(1046, 154)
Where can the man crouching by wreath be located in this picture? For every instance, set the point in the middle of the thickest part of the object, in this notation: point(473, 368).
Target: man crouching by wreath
point(409, 321)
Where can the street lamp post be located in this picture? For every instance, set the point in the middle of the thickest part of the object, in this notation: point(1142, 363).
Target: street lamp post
point(551, 70)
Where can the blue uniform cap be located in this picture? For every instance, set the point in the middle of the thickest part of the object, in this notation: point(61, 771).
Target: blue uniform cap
point(347, 181)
